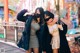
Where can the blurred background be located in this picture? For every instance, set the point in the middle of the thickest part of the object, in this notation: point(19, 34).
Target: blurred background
point(11, 29)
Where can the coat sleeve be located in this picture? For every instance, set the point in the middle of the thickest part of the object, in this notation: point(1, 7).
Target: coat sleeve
point(65, 28)
point(20, 16)
point(43, 38)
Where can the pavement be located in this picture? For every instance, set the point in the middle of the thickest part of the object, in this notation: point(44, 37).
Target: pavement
point(9, 48)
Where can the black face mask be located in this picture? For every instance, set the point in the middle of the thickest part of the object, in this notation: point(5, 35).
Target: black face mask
point(37, 15)
point(47, 19)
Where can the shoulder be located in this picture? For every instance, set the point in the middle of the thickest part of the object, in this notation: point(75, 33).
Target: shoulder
point(55, 25)
point(30, 17)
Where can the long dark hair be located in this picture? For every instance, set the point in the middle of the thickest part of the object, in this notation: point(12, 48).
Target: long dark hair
point(41, 14)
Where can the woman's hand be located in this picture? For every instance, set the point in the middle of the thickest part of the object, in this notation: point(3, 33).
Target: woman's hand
point(60, 27)
point(44, 51)
point(27, 13)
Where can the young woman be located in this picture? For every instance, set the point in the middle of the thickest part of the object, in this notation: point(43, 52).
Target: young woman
point(64, 47)
point(53, 30)
point(30, 38)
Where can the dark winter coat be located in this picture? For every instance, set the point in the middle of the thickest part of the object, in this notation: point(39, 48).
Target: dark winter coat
point(24, 41)
point(46, 39)
point(21, 17)
point(64, 47)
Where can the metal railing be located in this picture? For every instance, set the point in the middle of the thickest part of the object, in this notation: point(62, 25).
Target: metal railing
point(16, 25)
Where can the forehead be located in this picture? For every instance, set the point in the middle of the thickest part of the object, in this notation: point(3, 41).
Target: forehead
point(37, 11)
point(46, 16)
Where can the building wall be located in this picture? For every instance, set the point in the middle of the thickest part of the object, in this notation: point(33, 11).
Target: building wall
point(11, 15)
